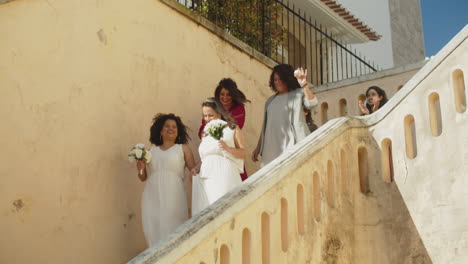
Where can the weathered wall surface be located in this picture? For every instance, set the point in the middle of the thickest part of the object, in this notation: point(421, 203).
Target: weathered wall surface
point(432, 181)
point(407, 31)
point(80, 83)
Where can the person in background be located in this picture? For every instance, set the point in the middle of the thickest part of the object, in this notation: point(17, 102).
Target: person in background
point(375, 99)
point(310, 122)
point(233, 100)
point(284, 121)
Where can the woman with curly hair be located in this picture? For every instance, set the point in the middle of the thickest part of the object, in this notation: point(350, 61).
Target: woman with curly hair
point(233, 101)
point(284, 122)
point(164, 202)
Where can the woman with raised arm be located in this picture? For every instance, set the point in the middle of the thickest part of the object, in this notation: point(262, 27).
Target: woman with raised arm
point(284, 122)
point(164, 201)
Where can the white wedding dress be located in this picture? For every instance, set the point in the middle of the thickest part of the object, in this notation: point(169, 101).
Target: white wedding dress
point(219, 172)
point(164, 203)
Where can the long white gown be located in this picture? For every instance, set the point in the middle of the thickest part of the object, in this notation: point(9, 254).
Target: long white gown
point(164, 204)
point(219, 172)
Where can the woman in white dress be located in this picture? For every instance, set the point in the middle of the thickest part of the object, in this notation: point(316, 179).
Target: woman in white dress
point(222, 160)
point(164, 204)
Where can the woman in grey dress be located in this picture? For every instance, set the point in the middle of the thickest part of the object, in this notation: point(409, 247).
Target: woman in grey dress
point(284, 122)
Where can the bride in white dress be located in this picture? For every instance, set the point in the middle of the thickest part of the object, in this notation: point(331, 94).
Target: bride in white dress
point(164, 203)
point(221, 161)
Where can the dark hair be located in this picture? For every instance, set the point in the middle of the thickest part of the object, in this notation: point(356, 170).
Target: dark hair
point(286, 74)
point(216, 105)
point(158, 123)
point(308, 115)
point(380, 92)
point(238, 97)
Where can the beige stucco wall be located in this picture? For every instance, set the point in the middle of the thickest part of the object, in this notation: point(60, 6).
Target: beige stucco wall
point(80, 83)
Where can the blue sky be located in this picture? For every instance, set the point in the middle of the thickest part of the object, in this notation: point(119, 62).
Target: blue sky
point(442, 20)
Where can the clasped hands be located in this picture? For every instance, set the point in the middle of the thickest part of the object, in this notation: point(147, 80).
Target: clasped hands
point(364, 109)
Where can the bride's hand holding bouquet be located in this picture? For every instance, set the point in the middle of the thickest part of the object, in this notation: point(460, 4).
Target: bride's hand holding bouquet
point(223, 146)
point(214, 128)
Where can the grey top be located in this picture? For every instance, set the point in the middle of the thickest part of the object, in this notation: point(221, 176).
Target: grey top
point(278, 131)
point(288, 121)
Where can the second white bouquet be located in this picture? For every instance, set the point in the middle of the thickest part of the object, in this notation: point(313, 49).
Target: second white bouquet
point(215, 128)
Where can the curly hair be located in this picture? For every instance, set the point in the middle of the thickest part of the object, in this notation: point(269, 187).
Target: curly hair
point(238, 97)
point(286, 74)
point(216, 105)
point(380, 92)
point(158, 122)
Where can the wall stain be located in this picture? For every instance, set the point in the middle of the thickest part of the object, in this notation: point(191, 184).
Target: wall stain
point(76, 91)
point(5, 1)
point(331, 249)
point(20, 207)
point(20, 93)
point(130, 216)
point(18, 204)
point(52, 7)
point(233, 224)
point(72, 197)
point(215, 253)
point(102, 36)
point(58, 229)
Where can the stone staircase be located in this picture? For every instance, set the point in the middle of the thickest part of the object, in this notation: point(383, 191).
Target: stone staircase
point(385, 188)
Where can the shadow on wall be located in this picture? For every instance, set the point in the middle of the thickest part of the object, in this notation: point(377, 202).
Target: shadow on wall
point(388, 225)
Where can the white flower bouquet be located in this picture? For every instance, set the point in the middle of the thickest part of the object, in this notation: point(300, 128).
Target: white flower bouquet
point(215, 128)
point(138, 152)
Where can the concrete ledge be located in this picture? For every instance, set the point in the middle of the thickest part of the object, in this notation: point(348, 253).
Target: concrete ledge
point(370, 76)
point(200, 20)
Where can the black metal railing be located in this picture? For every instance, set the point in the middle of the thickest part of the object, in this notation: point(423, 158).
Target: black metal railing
point(286, 35)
